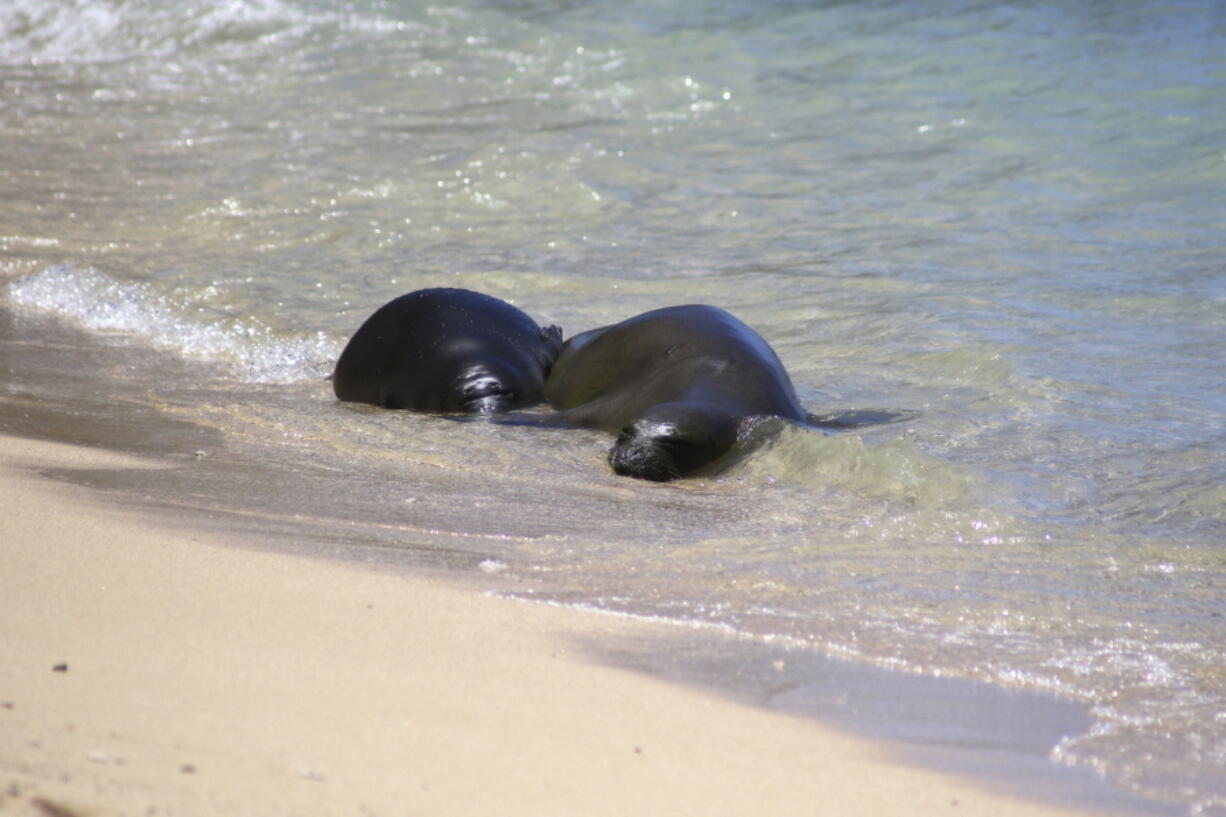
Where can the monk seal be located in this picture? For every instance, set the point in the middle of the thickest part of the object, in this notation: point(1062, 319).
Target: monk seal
point(448, 351)
point(676, 386)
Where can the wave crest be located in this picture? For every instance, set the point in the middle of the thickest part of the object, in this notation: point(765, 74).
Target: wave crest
point(87, 31)
point(98, 302)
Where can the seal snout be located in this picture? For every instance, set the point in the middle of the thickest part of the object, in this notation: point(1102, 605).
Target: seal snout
point(489, 404)
point(643, 457)
point(486, 395)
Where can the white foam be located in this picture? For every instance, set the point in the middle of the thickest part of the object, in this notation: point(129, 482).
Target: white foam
point(86, 31)
point(99, 302)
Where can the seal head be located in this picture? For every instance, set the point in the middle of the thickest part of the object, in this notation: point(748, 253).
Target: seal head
point(671, 440)
point(447, 351)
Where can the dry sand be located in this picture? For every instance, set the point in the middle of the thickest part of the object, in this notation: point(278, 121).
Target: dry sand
point(152, 670)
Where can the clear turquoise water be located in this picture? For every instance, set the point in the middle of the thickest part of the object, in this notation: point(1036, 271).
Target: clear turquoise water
point(1007, 216)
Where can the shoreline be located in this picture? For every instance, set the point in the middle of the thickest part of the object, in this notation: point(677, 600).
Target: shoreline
point(199, 672)
point(81, 428)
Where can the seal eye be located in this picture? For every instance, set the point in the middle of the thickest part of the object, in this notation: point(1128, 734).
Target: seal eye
point(480, 387)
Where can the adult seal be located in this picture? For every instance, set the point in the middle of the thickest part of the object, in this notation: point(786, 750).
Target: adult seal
point(448, 351)
point(676, 386)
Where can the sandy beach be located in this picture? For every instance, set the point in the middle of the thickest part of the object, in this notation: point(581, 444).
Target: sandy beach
point(224, 590)
point(151, 670)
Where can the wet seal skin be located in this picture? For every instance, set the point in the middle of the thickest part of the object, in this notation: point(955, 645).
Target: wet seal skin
point(676, 386)
point(447, 351)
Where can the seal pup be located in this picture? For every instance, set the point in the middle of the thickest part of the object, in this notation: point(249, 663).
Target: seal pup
point(676, 386)
point(447, 351)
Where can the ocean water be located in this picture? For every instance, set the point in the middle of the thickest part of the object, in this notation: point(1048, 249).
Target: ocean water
point(1010, 217)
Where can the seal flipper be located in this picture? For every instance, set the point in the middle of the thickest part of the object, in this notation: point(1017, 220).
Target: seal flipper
point(856, 418)
point(575, 342)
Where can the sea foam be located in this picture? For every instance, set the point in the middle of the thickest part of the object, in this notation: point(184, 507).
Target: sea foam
point(96, 301)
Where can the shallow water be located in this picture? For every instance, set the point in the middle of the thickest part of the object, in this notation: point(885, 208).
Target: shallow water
point(1006, 216)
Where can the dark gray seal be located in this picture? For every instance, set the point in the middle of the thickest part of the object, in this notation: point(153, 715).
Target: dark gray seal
point(448, 351)
point(676, 386)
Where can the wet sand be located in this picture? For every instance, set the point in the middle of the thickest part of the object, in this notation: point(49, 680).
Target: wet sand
point(152, 668)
